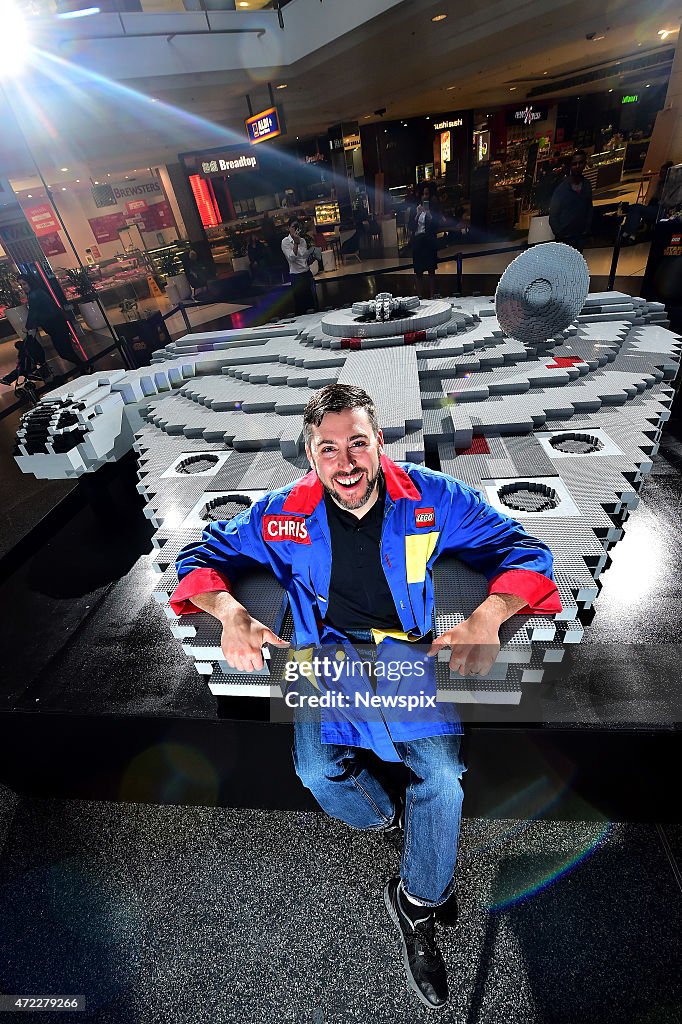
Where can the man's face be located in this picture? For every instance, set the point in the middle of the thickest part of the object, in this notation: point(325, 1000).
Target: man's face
point(344, 452)
point(295, 229)
point(577, 166)
point(25, 287)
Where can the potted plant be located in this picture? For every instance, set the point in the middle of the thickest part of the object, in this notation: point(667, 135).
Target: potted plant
point(177, 285)
point(86, 297)
point(240, 261)
point(16, 312)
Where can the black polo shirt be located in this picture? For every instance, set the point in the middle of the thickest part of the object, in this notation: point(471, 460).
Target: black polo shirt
point(359, 595)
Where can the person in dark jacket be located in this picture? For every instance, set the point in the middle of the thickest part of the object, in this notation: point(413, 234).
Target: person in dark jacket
point(44, 312)
point(425, 224)
point(570, 210)
point(648, 212)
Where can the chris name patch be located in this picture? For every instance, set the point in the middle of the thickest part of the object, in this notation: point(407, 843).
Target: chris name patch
point(424, 517)
point(292, 528)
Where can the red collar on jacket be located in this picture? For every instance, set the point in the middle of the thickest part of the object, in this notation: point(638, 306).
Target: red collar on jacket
point(308, 492)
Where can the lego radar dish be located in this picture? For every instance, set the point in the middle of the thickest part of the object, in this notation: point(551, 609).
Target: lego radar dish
point(542, 292)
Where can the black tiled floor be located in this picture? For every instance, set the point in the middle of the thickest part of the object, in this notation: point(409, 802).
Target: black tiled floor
point(197, 914)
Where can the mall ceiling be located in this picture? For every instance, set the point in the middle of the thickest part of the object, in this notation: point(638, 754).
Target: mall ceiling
point(402, 61)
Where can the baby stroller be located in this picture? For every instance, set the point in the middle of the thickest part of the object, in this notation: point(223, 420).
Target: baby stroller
point(31, 370)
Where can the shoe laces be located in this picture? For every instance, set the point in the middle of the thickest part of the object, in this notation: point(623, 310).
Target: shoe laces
point(425, 939)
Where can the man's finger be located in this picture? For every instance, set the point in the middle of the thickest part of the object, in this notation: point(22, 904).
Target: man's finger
point(438, 643)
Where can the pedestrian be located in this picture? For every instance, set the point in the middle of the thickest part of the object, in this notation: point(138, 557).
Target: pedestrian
point(425, 224)
point(43, 312)
point(354, 543)
point(570, 208)
point(648, 212)
point(297, 253)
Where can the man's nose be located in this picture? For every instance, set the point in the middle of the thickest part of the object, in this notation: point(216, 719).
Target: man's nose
point(346, 460)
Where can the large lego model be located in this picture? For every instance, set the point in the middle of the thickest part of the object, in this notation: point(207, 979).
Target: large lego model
point(555, 421)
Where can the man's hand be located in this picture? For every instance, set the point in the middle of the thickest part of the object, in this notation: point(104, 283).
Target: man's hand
point(475, 643)
point(243, 638)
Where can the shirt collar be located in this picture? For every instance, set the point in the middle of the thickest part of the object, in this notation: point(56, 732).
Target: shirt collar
point(307, 494)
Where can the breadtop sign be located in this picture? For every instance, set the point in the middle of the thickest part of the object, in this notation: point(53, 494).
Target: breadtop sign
point(223, 165)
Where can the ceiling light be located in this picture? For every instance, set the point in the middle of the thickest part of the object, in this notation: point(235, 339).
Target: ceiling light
point(439, 17)
point(665, 32)
point(30, 196)
point(63, 188)
point(512, 88)
point(545, 72)
point(451, 87)
point(65, 168)
point(648, 85)
point(596, 39)
point(78, 181)
point(243, 3)
point(610, 90)
point(83, 13)
point(96, 183)
point(282, 86)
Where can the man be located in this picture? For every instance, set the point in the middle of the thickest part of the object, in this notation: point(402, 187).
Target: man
point(354, 543)
point(570, 209)
point(296, 252)
point(44, 312)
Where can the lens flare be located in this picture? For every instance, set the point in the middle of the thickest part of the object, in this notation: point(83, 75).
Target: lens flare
point(15, 43)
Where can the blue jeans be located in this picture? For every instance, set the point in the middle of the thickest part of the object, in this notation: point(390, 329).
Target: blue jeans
point(346, 789)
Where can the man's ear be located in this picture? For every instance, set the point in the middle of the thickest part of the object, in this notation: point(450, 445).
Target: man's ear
point(308, 456)
point(380, 439)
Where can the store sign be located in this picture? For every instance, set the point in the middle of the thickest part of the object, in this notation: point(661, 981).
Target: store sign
point(221, 165)
point(527, 115)
point(103, 195)
point(634, 98)
point(145, 188)
point(455, 122)
point(316, 158)
point(347, 142)
point(42, 219)
point(263, 126)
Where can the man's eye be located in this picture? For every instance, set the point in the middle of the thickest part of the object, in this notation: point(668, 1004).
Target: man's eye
point(327, 451)
point(359, 444)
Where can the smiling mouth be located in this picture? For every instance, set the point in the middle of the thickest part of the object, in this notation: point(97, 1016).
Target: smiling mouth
point(348, 482)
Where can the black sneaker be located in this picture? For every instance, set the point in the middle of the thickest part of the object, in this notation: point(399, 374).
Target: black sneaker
point(394, 832)
point(421, 956)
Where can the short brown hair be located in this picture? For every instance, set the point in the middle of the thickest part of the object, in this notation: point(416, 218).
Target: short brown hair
point(336, 398)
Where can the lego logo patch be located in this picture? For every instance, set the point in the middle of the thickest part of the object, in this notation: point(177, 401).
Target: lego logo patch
point(424, 517)
point(292, 528)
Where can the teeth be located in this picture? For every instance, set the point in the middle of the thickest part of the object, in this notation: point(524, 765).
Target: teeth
point(349, 479)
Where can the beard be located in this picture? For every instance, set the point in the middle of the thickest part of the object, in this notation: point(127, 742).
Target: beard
point(352, 504)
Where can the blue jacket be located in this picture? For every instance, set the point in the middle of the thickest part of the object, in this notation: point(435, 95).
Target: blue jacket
point(426, 514)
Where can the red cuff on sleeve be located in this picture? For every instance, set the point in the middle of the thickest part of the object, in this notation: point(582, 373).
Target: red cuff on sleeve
point(198, 581)
point(540, 593)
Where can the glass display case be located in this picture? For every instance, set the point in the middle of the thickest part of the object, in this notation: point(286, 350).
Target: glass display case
point(605, 168)
point(327, 214)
